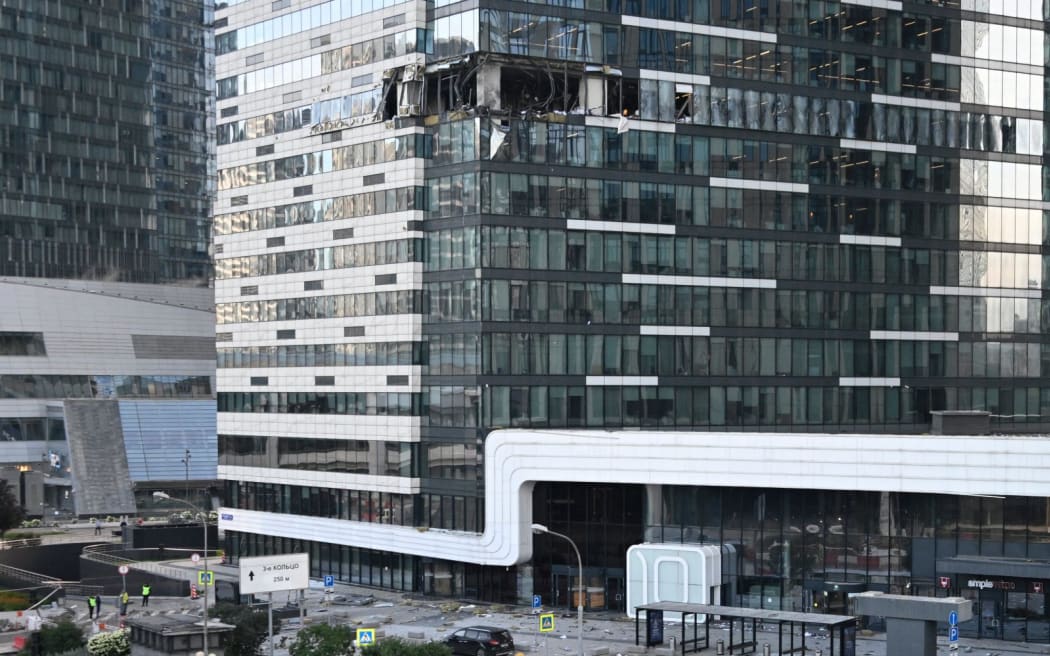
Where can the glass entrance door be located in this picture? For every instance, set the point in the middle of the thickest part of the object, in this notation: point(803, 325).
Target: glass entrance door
point(837, 603)
point(991, 619)
point(562, 584)
point(614, 593)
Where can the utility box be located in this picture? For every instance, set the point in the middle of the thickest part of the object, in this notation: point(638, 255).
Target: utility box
point(181, 635)
point(961, 422)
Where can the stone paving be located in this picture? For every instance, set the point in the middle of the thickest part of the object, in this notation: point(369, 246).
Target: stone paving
point(417, 618)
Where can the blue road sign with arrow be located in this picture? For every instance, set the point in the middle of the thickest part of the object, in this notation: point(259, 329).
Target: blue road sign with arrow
point(953, 618)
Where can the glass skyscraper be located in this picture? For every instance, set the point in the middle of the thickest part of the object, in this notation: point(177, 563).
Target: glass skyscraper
point(601, 217)
point(106, 307)
point(107, 165)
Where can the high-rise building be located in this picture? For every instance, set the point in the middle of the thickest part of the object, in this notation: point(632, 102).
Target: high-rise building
point(105, 150)
point(106, 311)
point(718, 268)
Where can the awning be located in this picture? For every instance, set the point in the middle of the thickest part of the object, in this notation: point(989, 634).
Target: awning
point(1018, 568)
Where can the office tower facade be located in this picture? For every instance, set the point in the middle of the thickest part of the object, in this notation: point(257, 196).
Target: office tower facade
point(106, 176)
point(106, 149)
point(708, 226)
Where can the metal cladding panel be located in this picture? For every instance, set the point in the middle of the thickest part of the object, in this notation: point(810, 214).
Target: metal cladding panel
point(672, 572)
point(158, 433)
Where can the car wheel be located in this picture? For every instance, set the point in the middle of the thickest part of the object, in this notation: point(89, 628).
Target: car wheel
point(481, 652)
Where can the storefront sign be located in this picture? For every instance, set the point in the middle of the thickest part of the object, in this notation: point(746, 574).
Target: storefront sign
point(986, 584)
point(1036, 587)
point(946, 582)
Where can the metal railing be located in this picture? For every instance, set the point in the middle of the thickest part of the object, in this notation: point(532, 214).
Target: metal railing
point(56, 538)
point(105, 554)
point(25, 576)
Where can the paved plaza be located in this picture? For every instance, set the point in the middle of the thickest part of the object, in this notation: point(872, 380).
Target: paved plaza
point(411, 616)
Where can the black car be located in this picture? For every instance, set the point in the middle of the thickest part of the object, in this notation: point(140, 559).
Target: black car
point(481, 641)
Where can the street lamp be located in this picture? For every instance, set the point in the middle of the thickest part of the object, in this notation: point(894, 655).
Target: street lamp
point(158, 495)
point(186, 461)
point(540, 529)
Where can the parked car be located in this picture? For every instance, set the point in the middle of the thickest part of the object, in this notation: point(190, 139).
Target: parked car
point(481, 641)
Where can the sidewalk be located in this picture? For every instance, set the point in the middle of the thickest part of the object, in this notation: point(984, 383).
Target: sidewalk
point(416, 617)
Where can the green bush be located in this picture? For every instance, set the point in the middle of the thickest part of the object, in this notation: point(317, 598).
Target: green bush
point(112, 643)
point(59, 638)
point(13, 601)
point(399, 647)
point(251, 629)
point(324, 640)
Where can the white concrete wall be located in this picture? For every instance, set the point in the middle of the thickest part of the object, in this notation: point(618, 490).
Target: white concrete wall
point(516, 459)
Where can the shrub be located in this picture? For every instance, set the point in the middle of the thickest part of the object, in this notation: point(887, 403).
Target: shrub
point(323, 640)
point(112, 643)
point(59, 638)
point(13, 601)
point(251, 629)
point(399, 647)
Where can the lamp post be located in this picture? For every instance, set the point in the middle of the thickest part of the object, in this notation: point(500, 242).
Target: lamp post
point(540, 529)
point(204, 522)
point(186, 462)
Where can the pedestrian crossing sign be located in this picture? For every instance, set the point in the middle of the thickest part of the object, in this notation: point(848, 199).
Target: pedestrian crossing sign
point(546, 622)
point(366, 637)
point(205, 577)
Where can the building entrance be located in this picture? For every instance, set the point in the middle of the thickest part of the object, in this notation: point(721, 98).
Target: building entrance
point(1005, 609)
point(601, 591)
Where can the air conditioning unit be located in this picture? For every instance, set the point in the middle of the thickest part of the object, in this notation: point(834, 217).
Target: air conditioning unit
point(404, 111)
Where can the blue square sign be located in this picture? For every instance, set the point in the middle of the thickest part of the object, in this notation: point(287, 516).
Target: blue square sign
point(329, 581)
point(537, 601)
point(953, 634)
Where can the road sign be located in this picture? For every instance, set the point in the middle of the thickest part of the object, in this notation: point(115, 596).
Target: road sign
point(546, 622)
point(123, 569)
point(195, 558)
point(537, 601)
point(275, 573)
point(206, 577)
point(953, 618)
point(329, 581)
point(366, 637)
point(953, 634)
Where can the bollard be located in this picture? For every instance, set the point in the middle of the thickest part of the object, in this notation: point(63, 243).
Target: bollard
point(720, 648)
point(765, 649)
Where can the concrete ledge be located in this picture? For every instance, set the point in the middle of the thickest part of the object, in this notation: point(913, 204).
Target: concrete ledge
point(930, 609)
point(599, 651)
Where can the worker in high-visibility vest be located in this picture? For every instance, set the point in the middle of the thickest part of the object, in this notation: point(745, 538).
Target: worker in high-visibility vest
point(145, 594)
point(124, 602)
point(92, 606)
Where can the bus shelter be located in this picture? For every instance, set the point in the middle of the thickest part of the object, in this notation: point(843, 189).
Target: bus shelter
point(744, 624)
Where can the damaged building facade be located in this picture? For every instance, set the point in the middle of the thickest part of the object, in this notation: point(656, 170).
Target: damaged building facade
point(712, 224)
